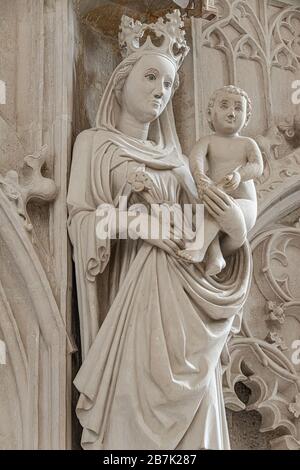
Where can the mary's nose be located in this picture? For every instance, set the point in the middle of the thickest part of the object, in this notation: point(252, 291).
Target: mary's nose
point(159, 90)
point(231, 113)
point(158, 94)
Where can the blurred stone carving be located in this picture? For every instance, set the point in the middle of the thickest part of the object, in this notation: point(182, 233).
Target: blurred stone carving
point(257, 47)
point(30, 184)
point(33, 240)
point(291, 129)
point(262, 357)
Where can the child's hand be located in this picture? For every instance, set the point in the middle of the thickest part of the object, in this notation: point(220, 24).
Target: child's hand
point(202, 182)
point(231, 181)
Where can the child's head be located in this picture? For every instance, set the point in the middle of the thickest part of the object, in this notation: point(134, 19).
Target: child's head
point(229, 110)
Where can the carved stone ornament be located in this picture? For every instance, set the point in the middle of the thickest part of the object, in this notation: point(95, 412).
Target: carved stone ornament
point(260, 46)
point(30, 322)
point(29, 185)
point(150, 376)
point(34, 345)
point(266, 357)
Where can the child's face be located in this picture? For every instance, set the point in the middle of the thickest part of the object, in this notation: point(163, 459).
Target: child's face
point(229, 113)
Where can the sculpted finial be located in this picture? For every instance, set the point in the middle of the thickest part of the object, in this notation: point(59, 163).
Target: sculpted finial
point(168, 30)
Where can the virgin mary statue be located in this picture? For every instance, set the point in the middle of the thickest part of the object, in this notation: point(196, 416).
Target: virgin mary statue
point(152, 325)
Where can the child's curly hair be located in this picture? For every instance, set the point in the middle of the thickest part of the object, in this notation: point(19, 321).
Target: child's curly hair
point(234, 91)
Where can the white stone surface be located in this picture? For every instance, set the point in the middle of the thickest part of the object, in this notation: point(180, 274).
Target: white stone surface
point(151, 374)
point(42, 42)
point(250, 47)
point(232, 162)
point(35, 62)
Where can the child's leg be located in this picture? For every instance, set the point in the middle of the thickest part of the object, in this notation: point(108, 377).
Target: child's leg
point(215, 261)
point(195, 253)
point(249, 209)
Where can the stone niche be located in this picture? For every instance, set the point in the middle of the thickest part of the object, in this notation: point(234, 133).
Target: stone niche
point(35, 281)
point(56, 59)
point(255, 45)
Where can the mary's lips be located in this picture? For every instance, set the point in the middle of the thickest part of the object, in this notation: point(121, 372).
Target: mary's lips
point(155, 102)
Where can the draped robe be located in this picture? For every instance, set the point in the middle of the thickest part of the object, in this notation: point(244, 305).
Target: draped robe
point(152, 326)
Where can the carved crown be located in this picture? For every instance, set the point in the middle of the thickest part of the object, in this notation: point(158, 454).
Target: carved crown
point(165, 37)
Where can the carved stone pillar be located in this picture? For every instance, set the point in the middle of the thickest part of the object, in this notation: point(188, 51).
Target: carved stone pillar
point(35, 380)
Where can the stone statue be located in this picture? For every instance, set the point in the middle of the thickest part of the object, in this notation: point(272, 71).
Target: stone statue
point(225, 153)
point(153, 325)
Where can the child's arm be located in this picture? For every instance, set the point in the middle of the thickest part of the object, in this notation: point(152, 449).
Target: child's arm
point(253, 168)
point(255, 165)
point(197, 160)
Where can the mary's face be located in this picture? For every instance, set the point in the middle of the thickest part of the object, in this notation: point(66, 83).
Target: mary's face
point(148, 88)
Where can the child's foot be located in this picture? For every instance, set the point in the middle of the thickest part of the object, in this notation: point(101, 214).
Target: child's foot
point(215, 266)
point(215, 261)
point(193, 256)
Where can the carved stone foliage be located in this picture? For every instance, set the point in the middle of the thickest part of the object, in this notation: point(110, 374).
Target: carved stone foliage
point(31, 326)
point(30, 184)
point(265, 356)
point(284, 39)
point(291, 128)
point(281, 165)
point(255, 45)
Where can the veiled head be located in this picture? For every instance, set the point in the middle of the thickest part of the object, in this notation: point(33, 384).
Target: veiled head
point(145, 86)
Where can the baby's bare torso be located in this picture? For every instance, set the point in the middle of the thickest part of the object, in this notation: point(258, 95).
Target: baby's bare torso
point(225, 154)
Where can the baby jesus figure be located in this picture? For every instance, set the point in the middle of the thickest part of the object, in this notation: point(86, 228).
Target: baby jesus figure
point(229, 161)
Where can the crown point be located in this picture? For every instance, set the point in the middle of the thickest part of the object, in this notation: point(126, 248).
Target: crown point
point(173, 45)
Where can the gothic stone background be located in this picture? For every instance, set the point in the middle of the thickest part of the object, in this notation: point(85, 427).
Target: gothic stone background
point(56, 58)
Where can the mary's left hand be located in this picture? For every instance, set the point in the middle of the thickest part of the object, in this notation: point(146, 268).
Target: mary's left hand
point(227, 214)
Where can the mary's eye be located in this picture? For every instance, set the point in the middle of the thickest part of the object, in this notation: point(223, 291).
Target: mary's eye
point(238, 108)
point(151, 77)
point(168, 84)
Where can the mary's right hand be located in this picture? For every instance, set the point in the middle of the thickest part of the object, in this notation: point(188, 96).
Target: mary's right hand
point(137, 223)
point(153, 231)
